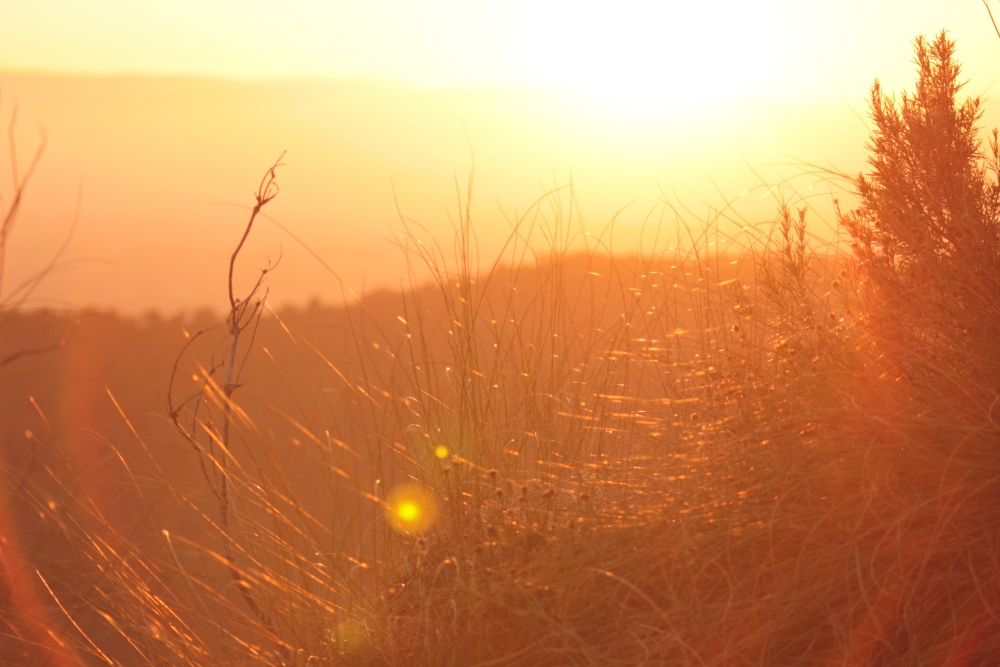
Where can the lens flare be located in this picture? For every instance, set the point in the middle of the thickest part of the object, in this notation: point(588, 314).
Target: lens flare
point(410, 509)
point(441, 452)
point(348, 636)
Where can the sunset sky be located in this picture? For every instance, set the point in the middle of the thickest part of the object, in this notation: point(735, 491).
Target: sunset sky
point(161, 111)
point(644, 54)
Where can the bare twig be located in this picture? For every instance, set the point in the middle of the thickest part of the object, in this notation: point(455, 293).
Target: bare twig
point(10, 358)
point(243, 312)
point(20, 185)
point(266, 191)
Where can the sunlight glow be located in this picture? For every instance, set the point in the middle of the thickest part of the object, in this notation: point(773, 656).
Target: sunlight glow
point(643, 57)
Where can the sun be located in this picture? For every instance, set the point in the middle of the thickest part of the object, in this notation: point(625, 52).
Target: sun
point(649, 57)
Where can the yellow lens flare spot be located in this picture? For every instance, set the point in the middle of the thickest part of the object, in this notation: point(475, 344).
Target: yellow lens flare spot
point(411, 509)
point(441, 452)
point(408, 511)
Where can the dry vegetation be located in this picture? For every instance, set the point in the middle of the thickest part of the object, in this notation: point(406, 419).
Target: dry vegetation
point(691, 457)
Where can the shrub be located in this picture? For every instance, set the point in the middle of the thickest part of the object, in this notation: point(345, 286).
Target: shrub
point(927, 235)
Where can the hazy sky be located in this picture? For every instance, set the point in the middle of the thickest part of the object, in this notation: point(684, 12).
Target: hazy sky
point(377, 103)
point(635, 55)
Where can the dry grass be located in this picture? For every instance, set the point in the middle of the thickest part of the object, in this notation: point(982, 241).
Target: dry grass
point(776, 457)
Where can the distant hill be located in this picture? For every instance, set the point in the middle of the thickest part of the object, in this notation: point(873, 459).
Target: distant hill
point(153, 156)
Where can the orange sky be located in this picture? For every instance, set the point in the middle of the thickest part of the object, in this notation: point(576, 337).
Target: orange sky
point(636, 52)
point(162, 111)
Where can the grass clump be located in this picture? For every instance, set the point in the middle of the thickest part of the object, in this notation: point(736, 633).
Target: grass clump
point(782, 457)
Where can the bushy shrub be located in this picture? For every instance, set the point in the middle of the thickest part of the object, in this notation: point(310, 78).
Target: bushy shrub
point(927, 234)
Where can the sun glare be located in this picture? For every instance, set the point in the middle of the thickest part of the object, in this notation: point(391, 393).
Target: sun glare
point(645, 58)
